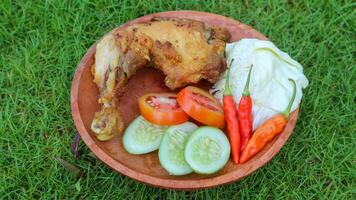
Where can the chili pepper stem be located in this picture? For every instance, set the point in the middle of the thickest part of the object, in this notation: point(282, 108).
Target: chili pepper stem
point(246, 91)
point(289, 107)
point(227, 90)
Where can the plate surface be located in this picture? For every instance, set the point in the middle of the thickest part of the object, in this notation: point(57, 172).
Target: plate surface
point(146, 168)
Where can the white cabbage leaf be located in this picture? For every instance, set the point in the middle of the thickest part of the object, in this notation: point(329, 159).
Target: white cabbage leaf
point(269, 86)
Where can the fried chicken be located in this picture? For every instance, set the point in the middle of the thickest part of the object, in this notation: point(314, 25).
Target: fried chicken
point(185, 50)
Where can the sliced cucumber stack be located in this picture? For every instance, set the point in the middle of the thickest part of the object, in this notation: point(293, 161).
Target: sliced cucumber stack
point(171, 150)
point(142, 136)
point(207, 150)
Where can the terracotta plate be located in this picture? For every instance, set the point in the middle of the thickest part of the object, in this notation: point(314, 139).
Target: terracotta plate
point(146, 168)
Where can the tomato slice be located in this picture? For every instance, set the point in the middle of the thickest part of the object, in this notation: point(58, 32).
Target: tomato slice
point(201, 106)
point(162, 109)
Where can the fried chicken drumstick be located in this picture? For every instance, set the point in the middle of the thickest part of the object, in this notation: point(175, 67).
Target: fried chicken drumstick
point(186, 51)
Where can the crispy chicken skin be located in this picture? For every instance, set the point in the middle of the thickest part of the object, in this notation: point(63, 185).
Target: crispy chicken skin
point(186, 51)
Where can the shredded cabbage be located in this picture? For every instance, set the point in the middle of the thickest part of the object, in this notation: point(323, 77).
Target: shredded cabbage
point(269, 86)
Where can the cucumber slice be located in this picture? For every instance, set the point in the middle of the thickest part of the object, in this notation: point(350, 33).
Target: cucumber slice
point(171, 149)
point(142, 137)
point(207, 150)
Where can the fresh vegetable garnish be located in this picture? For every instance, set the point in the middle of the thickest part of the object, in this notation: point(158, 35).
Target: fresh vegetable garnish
point(161, 109)
point(271, 70)
point(201, 106)
point(244, 112)
point(207, 150)
point(171, 149)
point(142, 136)
point(267, 131)
point(232, 120)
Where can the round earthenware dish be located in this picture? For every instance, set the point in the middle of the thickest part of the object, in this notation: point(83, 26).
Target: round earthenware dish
point(146, 168)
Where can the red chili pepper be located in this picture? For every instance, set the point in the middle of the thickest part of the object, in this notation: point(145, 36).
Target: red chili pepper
point(244, 112)
point(268, 130)
point(232, 120)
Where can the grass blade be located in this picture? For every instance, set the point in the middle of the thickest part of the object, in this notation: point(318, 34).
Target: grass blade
point(70, 167)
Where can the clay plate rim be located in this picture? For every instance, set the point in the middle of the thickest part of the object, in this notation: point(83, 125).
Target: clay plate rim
point(248, 167)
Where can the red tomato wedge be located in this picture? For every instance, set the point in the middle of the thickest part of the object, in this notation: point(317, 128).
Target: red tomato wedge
point(161, 109)
point(201, 106)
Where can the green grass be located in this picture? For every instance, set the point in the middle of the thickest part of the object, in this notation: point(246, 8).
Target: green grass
point(41, 44)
